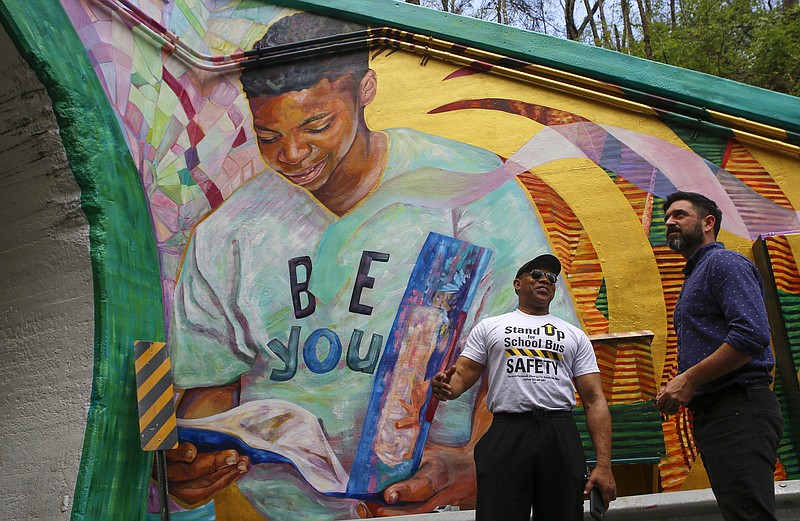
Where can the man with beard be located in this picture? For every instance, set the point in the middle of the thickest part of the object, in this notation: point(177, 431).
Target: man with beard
point(724, 361)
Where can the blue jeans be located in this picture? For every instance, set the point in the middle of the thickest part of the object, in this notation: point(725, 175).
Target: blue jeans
point(737, 431)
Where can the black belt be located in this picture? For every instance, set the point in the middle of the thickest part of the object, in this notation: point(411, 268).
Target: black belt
point(536, 414)
point(701, 402)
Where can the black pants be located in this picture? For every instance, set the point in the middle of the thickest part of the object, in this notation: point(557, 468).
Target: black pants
point(530, 460)
point(737, 431)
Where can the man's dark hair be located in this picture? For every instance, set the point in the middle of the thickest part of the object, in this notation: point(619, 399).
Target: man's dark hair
point(296, 75)
point(702, 205)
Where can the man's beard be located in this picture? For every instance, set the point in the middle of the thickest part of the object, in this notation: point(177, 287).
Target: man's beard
point(683, 242)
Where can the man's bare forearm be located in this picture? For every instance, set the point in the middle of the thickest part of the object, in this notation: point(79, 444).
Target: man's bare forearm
point(598, 420)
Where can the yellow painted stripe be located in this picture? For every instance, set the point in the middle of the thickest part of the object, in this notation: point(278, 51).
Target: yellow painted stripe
point(148, 355)
point(164, 399)
point(748, 137)
point(154, 379)
point(735, 121)
point(633, 282)
point(161, 435)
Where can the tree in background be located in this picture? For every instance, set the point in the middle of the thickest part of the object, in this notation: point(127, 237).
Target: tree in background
point(750, 41)
point(776, 50)
point(533, 15)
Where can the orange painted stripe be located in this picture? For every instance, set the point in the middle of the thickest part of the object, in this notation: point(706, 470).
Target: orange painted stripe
point(161, 435)
point(154, 379)
point(148, 355)
point(157, 406)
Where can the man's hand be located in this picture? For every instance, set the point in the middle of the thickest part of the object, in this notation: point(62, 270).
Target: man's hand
point(452, 383)
point(441, 384)
point(602, 478)
point(679, 391)
point(194, 478)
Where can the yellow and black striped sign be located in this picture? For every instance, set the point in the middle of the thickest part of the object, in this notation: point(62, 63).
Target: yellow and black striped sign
point(538, 353)
point(157, 427)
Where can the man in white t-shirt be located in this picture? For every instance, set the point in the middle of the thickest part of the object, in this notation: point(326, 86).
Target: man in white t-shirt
point(531, 456)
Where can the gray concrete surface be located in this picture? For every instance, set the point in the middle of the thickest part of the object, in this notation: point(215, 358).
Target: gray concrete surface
point(46, 304)
point(694, 505)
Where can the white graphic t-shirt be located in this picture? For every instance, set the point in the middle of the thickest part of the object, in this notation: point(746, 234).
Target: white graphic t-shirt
point(531, 360)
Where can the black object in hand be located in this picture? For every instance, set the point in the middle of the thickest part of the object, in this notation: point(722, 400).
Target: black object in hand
point(597, 508)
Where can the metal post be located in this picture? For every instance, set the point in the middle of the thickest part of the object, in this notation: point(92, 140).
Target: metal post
point(161, 472)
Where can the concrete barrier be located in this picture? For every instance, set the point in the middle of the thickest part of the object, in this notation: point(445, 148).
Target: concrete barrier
point(692, 505)
point(695, 505)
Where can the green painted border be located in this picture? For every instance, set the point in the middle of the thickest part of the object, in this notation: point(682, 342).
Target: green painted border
point(702, 90)
point(114, 471)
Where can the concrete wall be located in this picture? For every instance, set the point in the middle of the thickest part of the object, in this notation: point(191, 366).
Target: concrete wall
point(46, 319)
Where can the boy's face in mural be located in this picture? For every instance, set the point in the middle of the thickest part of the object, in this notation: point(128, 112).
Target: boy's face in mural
point(317, 137)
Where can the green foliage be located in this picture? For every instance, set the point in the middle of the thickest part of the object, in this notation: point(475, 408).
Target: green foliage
point(750, 41)
point(776, 52)
point(743, 40)
point(709, 36)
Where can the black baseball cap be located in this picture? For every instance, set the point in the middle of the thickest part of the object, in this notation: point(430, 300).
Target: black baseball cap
point(550, 262)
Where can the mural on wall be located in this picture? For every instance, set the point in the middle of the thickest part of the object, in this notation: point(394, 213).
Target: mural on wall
point(330, 228)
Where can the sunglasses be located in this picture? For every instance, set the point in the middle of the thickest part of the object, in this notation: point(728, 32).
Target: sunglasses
point(551, 277)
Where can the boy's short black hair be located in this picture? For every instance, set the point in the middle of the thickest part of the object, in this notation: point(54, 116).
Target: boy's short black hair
point(702, 204)
point(296, 75)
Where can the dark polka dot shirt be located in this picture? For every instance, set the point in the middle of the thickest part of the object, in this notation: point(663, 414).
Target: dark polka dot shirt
point(722, 300)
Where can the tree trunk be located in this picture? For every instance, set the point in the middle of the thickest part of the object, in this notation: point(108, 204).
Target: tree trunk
point(672, 21)
point(569, 19)
point(627, 34)
point(607, 38)
point(502, 16)
point(789, 4)
point(538, 12)
point(644, 13)
point(589, 16)
point(592, 24)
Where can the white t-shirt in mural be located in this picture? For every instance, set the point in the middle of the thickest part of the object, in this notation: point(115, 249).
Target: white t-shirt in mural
point(531, 360)
point(233, 317)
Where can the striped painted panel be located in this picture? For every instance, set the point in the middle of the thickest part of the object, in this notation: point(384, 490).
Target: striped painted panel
point(155, 395)
point(681, 451)
point(784, 265)
point(626, 366)
point(787, 282)
point(738, 161)
point(573, 247)
point(679, 443)
point(636, 437)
